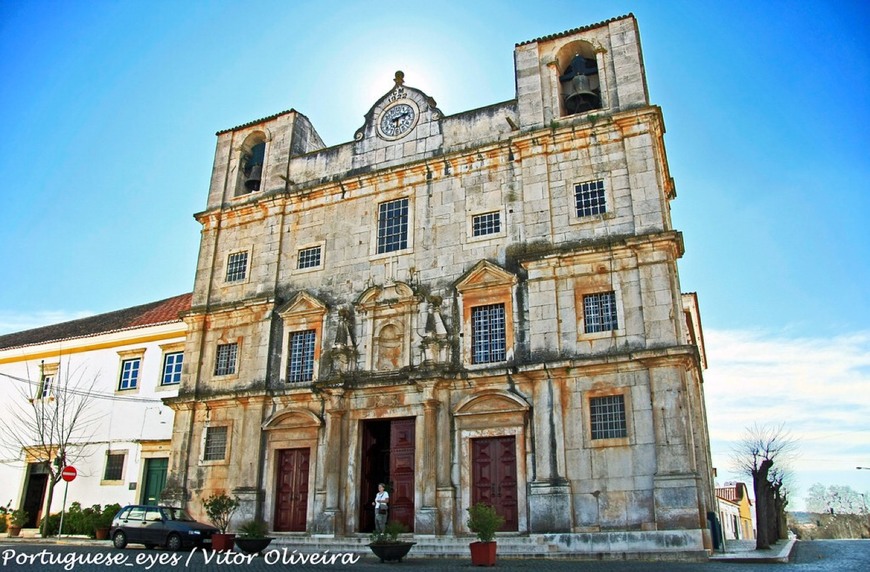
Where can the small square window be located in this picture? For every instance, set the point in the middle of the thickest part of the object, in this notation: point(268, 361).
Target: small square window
point(114, 467)
point(301, 364)
point(215, 444)
point(393, 226)
point(130, 373)
point(487, 223)
point(488, 333)
point(309, 258)
point(607, 416)
point(225, 359)
point(589, 199)
point(172, 363)
point(599, 312)
point(237, 266)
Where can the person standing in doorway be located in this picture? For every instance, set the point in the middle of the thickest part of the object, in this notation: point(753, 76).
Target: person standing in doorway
point(382, 507)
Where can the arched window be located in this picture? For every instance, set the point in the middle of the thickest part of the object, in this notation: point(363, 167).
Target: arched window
point(579, 87)
point(251, 160)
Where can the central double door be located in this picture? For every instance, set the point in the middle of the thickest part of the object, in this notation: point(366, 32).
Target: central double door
point(387, 457)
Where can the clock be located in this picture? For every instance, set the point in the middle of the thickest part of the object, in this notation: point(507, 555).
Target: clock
point(397, 120)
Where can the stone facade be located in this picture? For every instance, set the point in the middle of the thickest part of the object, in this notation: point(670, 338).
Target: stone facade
point(476, 307)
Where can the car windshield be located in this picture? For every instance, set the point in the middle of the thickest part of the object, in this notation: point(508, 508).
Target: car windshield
point(177, 514)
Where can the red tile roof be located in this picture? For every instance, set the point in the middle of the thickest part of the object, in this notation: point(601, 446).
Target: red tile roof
point(152, 314)
point(733, 493)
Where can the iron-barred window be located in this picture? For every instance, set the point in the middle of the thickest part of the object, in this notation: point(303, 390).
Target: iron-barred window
point(129, 374)
point(599, 312)
point(215, 444)
point(47, 386)
point(237, 266)
point(114, 467)
point(488, 333)
point(607, 416)
point(393, 226)
point(225, 360)
point(589, 198)
point(172, 368)
point(487, 223)
point(309, 258)
point(301, 364)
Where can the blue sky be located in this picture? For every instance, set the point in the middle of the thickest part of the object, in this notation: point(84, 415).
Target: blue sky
point(108, 113)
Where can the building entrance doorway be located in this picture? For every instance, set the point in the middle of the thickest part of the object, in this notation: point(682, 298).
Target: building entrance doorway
point(387, 457)
point(494, 477)
point(291, 494)
point(155, 480)
point(34, 494)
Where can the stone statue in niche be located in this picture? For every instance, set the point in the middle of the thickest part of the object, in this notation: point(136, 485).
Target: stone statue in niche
point(435, 343)
point(389, 348)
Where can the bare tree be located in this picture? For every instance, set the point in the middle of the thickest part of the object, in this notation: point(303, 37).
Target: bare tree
point(836, 499)
point(50, 424)
point(761, 447)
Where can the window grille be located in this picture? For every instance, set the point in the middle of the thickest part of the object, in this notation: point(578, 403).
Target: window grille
point(599, 312)
point(589, 198)
point(237, 266)
point(301, 364)
point(225, 361)
point(309, 258)
point(607, 415)
point(487, 223)
point(172, 368)
point(114, 467)
point(215, 444)
point(488, 333)
point(47, 386)
point(393, 226)
point(129, 373)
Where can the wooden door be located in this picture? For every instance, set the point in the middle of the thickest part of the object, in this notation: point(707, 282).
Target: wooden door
point(402, 471)
point(291, 495)
point(155, 480)
point(494, 477)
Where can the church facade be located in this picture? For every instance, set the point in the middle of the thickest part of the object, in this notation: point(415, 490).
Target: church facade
point(479, 307)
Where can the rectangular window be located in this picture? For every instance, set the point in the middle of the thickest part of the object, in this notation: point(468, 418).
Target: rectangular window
point(487, 223)
point(225, 360)
point(215, 444)
point(589, 198)
point(393, 226)
point(599, 312)
point(607, 415)
point(130, 373)
point(237, 266)
point(46, 387)
point(114, 467)
point(309, 258)
point(172, 368)
point(488, 333)
point(301, 364)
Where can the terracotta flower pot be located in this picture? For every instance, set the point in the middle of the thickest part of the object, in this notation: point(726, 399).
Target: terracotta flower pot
point(222, 542)
point(101, 533)
point(14, 530)
point(483, 553)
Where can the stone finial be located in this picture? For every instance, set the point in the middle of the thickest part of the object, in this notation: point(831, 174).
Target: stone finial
point(400, 78)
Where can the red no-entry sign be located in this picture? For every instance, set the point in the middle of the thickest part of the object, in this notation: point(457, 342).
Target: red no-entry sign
point(68, 473)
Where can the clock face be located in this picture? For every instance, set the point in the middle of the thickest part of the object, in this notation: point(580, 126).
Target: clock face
point(397, 121)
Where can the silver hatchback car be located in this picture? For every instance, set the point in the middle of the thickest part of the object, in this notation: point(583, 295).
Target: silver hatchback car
point(158, 526)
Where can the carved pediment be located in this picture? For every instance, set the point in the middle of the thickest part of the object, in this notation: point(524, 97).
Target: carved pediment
point(292, 419)
point(395, 293)
point(491, 402)
point(300, 304)
point(485, 274)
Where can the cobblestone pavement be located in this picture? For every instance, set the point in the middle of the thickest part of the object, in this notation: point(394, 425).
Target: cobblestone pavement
point(821, 556)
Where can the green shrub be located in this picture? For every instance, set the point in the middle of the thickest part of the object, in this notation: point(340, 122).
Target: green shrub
point(253, 529)
point(53, 524)
point(483, 520)
point(219, 508)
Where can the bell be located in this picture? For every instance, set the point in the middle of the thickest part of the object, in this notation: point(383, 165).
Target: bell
point(579, 96)
point(252, 183)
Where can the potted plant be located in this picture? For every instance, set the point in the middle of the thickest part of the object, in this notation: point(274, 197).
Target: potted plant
point(252, 538)
point(483, 520)
point(102, 520)
point(16, 521)
point(219, 508)
point(387, 546)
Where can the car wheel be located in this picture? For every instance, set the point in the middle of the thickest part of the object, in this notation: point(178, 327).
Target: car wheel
point(173, 542)
point(120, 539)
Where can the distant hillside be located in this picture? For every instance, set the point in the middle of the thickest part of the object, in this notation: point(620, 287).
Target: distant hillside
point(812, 526)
